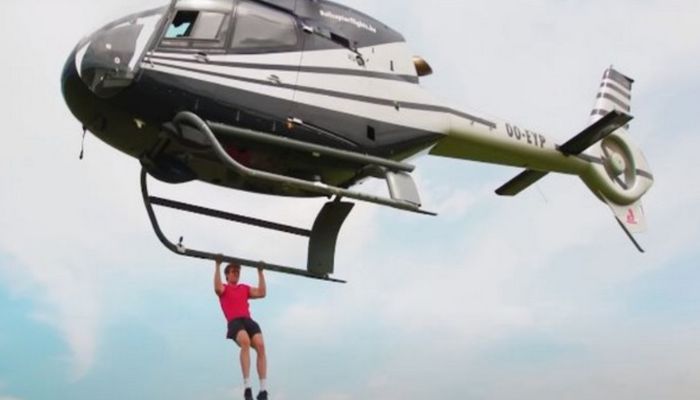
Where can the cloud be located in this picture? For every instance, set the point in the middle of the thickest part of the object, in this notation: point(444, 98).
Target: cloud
point(622, 360)
point(548, 272)
point(3, 385)
point(552, 267)
point(441, 291)
point(58, 230)
point(333, 396)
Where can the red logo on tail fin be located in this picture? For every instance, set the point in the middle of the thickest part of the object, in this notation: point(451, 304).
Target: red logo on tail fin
point(631, 218)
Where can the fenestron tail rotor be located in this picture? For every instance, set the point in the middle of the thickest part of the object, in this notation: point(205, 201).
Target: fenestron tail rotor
point(623, 176)
point(619, 162)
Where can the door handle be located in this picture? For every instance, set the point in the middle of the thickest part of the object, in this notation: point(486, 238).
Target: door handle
point(274, 79)
point(202, 57)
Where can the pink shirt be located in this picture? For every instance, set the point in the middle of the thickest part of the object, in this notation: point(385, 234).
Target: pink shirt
point(234, 301)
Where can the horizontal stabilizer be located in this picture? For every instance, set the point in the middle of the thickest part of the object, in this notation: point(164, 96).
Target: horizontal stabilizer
point(576, 145)
point(595, 132)
point(520, 182)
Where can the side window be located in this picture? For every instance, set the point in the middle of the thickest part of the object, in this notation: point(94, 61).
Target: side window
point(260, 27)
point(196, 29)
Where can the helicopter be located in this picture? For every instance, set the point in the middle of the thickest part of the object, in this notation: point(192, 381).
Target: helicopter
point(308, 98)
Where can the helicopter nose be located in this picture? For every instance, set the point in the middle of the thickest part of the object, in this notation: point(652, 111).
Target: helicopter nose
point(76, 95)
point(103, 61)
point(69, 74)
point(108, 60)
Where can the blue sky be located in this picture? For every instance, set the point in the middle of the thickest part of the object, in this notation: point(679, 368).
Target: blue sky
point(536, 297)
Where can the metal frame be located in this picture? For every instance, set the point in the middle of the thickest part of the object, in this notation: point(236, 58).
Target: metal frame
point(292, 144)
point(324, 233)
point(312, 187)
point(315, 271)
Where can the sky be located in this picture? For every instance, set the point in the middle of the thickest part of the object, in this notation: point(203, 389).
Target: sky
point(535, 297)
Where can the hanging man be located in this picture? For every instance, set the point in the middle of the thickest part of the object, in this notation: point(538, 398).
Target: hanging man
point(233, 297)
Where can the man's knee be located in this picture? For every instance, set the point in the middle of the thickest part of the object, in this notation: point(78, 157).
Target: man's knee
point(258, 344)
point(243, 340)
point(260, 348)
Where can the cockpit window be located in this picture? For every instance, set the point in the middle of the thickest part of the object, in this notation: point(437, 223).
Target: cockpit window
point(182, 24)
point(195, 25)
point(202, 26)
point(208, 25)
point(260, 27)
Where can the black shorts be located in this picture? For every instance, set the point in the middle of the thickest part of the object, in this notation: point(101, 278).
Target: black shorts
point(235, 325)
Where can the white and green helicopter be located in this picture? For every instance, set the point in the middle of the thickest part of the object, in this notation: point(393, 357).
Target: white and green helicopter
point(307, 98)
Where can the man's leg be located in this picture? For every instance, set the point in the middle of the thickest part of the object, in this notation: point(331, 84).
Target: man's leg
point(259, 345)
point(243, 341)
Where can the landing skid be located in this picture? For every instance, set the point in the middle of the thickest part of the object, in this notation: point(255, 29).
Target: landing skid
point(324, 233)
point(322, 237)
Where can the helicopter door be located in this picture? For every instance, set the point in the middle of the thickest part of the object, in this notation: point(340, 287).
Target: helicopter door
point(330, 89)
point(253, 50)
point(265, 53)
point(189, 44)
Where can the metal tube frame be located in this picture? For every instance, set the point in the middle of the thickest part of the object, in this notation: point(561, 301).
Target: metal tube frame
point(182, 250)
point(313, 187)
point(311, 148)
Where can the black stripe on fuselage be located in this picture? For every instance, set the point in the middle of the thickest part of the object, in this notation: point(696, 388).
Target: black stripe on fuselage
point(316, 70)
point(615, 100)
point(611, 85)
point(343, 95)
point(251, 109)
point(624, 81)
point(598, 111)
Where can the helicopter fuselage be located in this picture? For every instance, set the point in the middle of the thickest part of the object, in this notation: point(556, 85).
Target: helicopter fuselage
point(308, 98)
point(315, 72)
point(319, 73)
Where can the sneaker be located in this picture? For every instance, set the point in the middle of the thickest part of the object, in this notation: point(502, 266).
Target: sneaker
point(262, 395)
point(248, 394)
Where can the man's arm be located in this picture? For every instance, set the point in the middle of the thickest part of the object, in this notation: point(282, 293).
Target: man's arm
point(218, 286)
point(260, 291)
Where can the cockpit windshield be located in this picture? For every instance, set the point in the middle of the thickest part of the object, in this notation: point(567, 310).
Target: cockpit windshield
point(109, 59)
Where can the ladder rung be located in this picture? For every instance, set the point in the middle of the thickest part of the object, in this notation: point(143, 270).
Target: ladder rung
point(229, 216)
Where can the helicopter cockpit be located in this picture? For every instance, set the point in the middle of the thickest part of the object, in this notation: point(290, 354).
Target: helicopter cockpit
point(108, 60)
point(257, 27)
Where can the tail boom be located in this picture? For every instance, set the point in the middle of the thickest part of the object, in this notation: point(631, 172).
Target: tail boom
point(602, 155)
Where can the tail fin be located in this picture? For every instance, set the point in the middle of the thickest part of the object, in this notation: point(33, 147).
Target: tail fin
point(615, 94)
point(631, 219)
point(620, 174)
